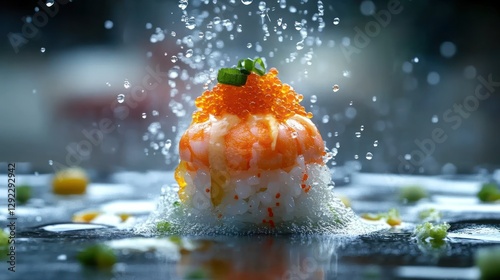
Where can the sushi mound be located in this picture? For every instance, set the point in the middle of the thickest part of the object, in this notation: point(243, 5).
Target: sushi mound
point(253, 162)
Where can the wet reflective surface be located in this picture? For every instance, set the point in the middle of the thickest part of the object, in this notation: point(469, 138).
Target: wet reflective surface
point(47, 242)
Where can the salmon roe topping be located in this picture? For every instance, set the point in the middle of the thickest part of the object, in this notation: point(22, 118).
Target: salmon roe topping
point(260, 95)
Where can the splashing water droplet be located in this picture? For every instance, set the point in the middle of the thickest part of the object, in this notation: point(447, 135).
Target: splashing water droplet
point(126, 84)
point(346, 73)
point(300, 45)
point(168, 144)
point(298, 25)
point(174, 59)
point(42, 50)
point(191, 23)
point(374, 98)
point(189, 53)
point(356, 157)
point(108, 24)
point(314, 98)
point(120, 98)
point(335, 88)
point(183, 4)
point(249, 45)
point(358, 134)
point(51, 162)
point(246, 2)
point(49, 3)
point(362, 128)
point(155, 113)
point(369, 156)
point(336, 21)
point(415, 59)
point(375, 143)
point(435, 119)
point(144, 115)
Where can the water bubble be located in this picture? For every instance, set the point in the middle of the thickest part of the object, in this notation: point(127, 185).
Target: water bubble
point(108, 84)
point(279, 21)
point(168, 144)
point(246, 2)
point(174, 59)
point(314, 98)
point(144, 115)
point(407, 67)
point(407, 156)
point(149, 25)
point(374, 98)
point(249, 45)
point(470, 72)
point(300, 45)
point(189, 53)
point(362, 128)
point(108, 24)
point(336, 21)
point(433, 78)
point(154, 113)
point(201, 34)
point(447, 49)
point(369, 156)
point(191, 23)
point(42, 50)
point(415, 60)
point(356, 157)
point(49, 3)
point(358, 134)
point(325, 119)
point(298, 25)
point(173, 34)
point(435, 119)
point(375, 143)
point(217, 20)
point(51, 162)
point(335, 88)
point(183, 4)
point(126, 84)
point(120, 98)
point(346, 73)
point(351, 103)
point(367, 8)
point(239, 28)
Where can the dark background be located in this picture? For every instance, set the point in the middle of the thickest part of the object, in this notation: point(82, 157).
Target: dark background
point(48, 98)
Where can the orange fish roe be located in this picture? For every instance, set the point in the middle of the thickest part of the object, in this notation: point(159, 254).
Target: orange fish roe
point(260, 95)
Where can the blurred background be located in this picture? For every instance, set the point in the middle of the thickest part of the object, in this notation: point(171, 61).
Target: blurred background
point(395, 86)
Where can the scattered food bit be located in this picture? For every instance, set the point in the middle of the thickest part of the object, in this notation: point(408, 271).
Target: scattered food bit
point(430, 215)
point(412, 194)
point(345, 200)
point(429, 230)
point(391, 217)
point(70, 181)
point(489, 192)
point(488, 262)
point(99, 255)
point(85, 217)
point(91, 216)
point(23, 194)
point(164, 227)
point(177, 204)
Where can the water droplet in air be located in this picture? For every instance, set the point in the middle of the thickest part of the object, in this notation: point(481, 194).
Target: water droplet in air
point(49, 3)
point(149, 25)
point(375, 143)
point(155, 113)
point(126, 84)
point(300, 45)
point(358, 134)
point(120, 98)
point(168, 144)
point(298, 25)
point(246, 2)
point(325, 119)
point(374, 98)
point(362, 128)
point(346, 73)
point(144, 115)
point(435, 119)
point(183, 4)
point(369, 156)
point(239, 28)
point(42, 50)
point(314, 98)
point(108, 24)
point(407, 156)
point(174, 59)
point(336, 21)
point(356, 156)
point(189, 53)
point(249, 45)
point(51, 162)
point(335, 88)
point(415, 59)
point(191, 23)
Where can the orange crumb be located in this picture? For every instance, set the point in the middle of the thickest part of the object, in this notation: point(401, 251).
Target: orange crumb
point(278, 195)
point(207, 190)
point(304, 177)
point(236, 196)
point(270, 212)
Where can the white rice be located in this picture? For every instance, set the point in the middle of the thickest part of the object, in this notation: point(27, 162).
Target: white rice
point(272, 201)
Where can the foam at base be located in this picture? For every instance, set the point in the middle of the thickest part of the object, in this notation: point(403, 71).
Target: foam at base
point(302, 206)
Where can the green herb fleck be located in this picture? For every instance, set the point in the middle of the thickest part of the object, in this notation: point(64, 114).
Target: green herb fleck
point(429, 230)
point(177, 204)
point(164, 227)
point(489, 192)
point(23, 194)
point(98, 255)
point(412, 194)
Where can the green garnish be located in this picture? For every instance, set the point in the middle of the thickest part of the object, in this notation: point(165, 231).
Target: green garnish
point(238, 76)
point(412, 194)
point(391, 217)
point(23, 194)
point(177, 204)
point(163, 227)
point(430, 215)
point(428, 230)
point(488, 262)
point(489, 192)
point(98, 255)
